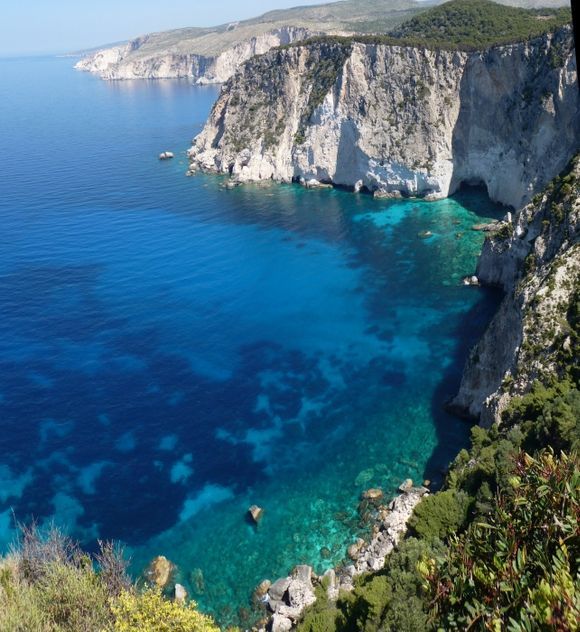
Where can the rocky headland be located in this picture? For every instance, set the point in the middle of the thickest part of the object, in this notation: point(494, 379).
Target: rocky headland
point(399, 120)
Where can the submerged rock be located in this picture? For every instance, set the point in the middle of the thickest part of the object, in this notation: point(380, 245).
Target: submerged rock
point(373, 494)
point(160, 571)
point(256, 514)
point(197, 581)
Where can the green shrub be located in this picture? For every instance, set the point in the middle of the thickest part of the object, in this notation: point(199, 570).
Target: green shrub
point(519, 570)
point(441, 514)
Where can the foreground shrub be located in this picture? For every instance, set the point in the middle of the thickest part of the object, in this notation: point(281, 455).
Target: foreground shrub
point(48, 584)
point(150, 611)
point(519, 570)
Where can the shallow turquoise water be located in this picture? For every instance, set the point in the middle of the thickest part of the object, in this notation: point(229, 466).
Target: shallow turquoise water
point(172, 352)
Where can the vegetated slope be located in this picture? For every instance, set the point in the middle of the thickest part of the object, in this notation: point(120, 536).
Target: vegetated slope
point(478, 24)
point(499, 547)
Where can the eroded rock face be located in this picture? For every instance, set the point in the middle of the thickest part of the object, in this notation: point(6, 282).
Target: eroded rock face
point(535, 258)
point(399, 120)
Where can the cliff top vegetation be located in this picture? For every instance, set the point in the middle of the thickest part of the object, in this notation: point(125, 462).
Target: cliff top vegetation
point(466, 25)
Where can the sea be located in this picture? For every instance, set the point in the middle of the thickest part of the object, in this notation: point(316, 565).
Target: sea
point(172, 352)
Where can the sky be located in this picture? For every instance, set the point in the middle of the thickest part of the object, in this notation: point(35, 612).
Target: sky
point(59, 26)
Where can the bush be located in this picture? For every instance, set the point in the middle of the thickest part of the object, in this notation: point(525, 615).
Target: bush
point(48, 584)
point(519, 570)
point(440, 515)
point(151, 612)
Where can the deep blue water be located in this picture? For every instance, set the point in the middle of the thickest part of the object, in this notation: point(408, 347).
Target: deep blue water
point(172, 352)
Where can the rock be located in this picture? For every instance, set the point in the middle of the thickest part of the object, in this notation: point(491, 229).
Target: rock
point(280, 623)
point(330, 582)
point(166, 155)
point(355, 549)
point(373, 494)
point(278, 589)
point(358, 185)
point(406, 486)
point(300, 590)
point(159, 572)
point(261, 591)
point(486, 228)
point(256, 513)
point(180, 594)
point(232, 184)
point(315, 184)
point(471, 280)
point(426, 483)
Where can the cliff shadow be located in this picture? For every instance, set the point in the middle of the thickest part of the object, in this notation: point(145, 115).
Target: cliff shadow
point(452, 431)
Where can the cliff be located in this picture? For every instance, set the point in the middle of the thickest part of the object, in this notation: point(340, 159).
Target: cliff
point(212, 55)
point(399, 120)
point(142, 59)
point(536, 260)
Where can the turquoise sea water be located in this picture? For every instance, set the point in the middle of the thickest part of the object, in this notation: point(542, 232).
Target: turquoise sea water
point(172, 352)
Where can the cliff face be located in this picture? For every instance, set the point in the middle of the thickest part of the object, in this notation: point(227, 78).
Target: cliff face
point(133, 61)
point(536, 259)
point(399, 120)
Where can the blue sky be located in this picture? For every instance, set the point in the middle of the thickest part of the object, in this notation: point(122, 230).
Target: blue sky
point(52, 26)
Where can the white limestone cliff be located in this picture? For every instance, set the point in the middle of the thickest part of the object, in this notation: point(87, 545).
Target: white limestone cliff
point(135, 61)
point(399, 120)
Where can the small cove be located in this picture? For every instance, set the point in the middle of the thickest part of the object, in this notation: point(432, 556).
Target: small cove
point(171, 352)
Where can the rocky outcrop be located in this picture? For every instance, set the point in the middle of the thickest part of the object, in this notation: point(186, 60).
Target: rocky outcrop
point(399, 120)
point(136, 61)
point(535, 258)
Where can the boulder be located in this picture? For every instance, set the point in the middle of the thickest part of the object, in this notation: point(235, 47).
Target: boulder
point(256, 513)
point(330, 582)
point(280, 623)
point(278, 589)
point(406, 486)
point(180, 594)
point(166, 155)
point(159, 572)
point(471, 280)
point(261, 591)
point(355, 549)
point(373, 494)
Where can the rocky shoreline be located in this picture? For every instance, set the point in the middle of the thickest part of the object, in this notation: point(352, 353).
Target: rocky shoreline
point(286, 599)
